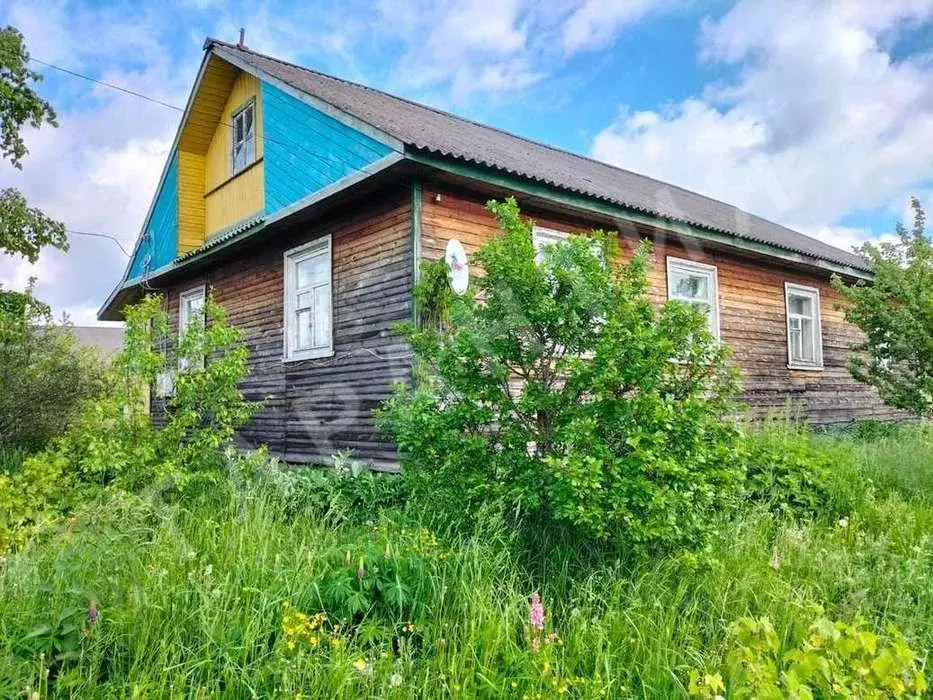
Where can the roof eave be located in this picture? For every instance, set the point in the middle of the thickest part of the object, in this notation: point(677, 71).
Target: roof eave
point(591, 204)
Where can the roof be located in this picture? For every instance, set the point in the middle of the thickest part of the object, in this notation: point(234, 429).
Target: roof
point(107, 339)
point(434, 131)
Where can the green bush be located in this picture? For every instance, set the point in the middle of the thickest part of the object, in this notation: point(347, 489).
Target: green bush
point(44, 375)
point(790, 469)
point(555, 388)
point(348, 491)
point(836, 660)
point(112, 443)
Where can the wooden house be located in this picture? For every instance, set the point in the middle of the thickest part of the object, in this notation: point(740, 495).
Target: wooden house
point(307, 203)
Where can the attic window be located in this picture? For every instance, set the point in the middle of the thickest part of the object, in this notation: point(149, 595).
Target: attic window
point(244, 137)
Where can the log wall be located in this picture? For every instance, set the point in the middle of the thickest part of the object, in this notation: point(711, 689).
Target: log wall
point(751, 308)
point(314, 408)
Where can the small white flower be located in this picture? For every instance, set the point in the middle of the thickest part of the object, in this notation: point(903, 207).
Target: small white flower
point(843, 522)
point(396, 680)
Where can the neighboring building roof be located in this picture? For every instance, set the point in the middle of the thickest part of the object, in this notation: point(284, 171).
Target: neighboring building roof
point(436, 132)
point(107, 339)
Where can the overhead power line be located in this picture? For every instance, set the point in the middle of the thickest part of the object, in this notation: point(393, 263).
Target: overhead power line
point(109, 85)
point(99, 235)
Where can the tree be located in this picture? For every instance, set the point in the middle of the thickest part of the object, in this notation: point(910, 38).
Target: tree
point(556, 388)
point(895, 312)
point(24, 230)
point(44, 375)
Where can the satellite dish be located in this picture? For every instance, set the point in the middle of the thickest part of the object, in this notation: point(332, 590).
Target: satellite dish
point(457, 265)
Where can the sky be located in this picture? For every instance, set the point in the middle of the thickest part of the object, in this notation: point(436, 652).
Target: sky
point(817, 115)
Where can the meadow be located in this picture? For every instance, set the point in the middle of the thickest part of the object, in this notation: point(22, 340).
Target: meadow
point(308, 584)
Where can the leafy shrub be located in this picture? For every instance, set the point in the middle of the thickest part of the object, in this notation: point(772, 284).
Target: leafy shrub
point(789, 470)
point(44, 375)
point(837, 659)
point(558, 389)
point(348, 491)
point(377, 590)
point(112, 443)
point(893, 312)
point(873, 430)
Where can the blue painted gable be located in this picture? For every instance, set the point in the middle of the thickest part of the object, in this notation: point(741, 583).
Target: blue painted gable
point(158, 243)
point(306, 150)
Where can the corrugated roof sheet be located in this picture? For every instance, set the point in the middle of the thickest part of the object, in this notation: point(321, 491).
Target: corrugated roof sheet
point(226, 234)
point(434, 131)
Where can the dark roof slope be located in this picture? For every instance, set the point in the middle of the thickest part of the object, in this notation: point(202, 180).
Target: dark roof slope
point(438, 132)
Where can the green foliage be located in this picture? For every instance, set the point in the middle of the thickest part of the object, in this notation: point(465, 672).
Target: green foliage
point(837, 659)
point(560, 391)
point(112, 445)
point(382, 582)
point(44, 375)
point(790, 469)
point(23, 230)
point(26, 230)
point(191, 599)
point(20, 105)
point(349, 491)
point(894, 313)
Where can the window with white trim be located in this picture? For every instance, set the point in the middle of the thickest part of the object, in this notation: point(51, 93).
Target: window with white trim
point(696, 284)
point(543, 237)
point(190, 313)
point(804, 334)
point(308, 306)
point(244, 137)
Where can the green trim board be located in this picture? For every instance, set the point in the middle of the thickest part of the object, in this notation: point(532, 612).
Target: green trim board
point(595, 206)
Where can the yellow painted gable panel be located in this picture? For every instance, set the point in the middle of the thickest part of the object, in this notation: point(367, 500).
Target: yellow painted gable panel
point(230, 198)
point(219, 164)
point(238, 199)
point(190, 201)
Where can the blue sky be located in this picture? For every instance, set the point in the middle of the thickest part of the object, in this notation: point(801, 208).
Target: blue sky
point(816, 115)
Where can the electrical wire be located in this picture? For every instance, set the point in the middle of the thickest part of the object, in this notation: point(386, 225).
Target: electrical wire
point(99, 235)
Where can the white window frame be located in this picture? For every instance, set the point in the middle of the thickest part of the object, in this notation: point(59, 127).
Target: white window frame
point(792, 289)
point(693, 267)
point(541, 236)
point(290, 260)
point(200, 291)
point(239, 113)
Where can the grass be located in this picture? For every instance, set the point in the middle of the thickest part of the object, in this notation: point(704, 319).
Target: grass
point(191, 599)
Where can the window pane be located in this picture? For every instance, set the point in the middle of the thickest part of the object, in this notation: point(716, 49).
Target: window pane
point(801, 305)
point(239, 157)
point(304, 301)
point(687, 286)
point(322, 316)
point(806, 340)
point(193, 311)
point(237, 130)
point(303, 330)
point(796, 353)
point(312, 270)
point(248, 121)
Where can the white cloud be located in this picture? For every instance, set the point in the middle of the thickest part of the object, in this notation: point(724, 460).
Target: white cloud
point(819, 122)
point(97, 172)
point(594, 22)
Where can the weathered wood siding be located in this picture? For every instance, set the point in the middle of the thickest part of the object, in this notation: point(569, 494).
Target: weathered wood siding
point(751, 309)
point(314, 408)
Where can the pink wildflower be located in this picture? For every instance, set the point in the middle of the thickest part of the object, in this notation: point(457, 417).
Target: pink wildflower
point(536, 612)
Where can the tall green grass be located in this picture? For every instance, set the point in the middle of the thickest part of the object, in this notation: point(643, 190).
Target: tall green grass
point(191, 598)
